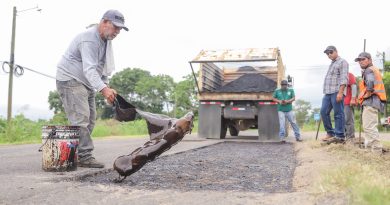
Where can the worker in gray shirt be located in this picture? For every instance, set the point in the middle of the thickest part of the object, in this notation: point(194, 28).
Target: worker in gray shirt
point(372, 97)
point(335, 82)
point(84, 69)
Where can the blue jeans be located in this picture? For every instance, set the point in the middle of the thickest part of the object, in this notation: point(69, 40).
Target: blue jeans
point(282, 123)
point(329, 103)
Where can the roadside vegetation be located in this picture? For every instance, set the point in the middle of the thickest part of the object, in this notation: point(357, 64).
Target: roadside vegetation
point(362, 176)
point(25, 131)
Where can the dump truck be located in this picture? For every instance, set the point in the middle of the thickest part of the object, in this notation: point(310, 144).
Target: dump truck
point(235, 88)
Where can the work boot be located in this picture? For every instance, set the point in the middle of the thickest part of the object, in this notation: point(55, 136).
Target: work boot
point(90, 163)
point(335, 140)
point(327, 137)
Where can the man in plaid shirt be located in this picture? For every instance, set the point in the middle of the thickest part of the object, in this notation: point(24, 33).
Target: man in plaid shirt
point(335, 82)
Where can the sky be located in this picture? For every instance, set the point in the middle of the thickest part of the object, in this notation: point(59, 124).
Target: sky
point(165, 35)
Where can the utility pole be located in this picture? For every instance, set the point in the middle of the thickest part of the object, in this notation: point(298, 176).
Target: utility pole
point(12, 61)
point(384, 62)
point(364, 47)
point(11, 67)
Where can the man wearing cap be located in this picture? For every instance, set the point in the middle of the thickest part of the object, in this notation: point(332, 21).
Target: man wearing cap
point(372, 97)
point(284, 97)
point(84, 69)
point(335, 82)
point(349, 103)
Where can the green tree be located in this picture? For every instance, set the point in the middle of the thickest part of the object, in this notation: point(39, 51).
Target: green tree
point(154, 92)
point(387, 66)
point(169, 85)
point(125, 81)
point(55, 102)
point(185, 97)
point(302, 109)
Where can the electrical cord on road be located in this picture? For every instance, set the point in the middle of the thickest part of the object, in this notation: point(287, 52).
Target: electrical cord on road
point(19, 70)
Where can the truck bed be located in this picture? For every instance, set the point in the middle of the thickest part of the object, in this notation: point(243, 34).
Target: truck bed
point(248, 74)
point(245, 83)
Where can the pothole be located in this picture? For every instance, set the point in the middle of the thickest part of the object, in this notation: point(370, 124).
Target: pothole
point(233, 166)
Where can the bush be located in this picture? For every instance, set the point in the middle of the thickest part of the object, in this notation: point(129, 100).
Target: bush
point(21, 130)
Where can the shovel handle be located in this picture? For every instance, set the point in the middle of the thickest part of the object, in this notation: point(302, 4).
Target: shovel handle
point(318, 128)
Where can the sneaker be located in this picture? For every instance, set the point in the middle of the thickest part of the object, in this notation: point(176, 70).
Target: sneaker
point(91, 163)
point(299, 140)
point(282, 141)
point(327, 137)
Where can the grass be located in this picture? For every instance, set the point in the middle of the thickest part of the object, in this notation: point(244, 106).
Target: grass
point(365, 177)
point(104, 128)
point(25, 131)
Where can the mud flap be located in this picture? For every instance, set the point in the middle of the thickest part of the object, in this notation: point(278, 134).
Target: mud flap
point(268, 123)
point(209, 121)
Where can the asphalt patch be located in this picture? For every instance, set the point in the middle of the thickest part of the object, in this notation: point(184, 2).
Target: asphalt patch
point(233, 166)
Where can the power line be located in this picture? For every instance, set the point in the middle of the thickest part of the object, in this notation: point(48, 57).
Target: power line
point(312, 67)
point(19, 70)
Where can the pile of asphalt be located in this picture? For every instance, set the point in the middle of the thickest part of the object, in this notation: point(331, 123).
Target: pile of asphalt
point(231, 166)
point(246, 68)
point(249, 83)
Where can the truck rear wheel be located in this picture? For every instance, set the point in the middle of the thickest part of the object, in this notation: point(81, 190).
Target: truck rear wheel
point(223, 129)
point(233, 131)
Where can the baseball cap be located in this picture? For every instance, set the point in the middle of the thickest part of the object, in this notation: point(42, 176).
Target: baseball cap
point(363, 55)
point(330, 48)
point(116, 18)
point(284, 82)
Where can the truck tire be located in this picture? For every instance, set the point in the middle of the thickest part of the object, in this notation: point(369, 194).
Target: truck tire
point(233, 131)
point(210, 121)
point(223, 129)
point(268, 123)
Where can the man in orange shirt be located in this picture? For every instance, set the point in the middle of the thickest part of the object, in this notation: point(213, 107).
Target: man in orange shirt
point(349, 103)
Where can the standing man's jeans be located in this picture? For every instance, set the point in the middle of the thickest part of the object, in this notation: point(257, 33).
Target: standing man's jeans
point(329, 103)
point(349, 121)
point(79, 105)
point(282, 123)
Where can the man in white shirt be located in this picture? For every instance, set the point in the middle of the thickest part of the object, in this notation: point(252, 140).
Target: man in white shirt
point(84, 69)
